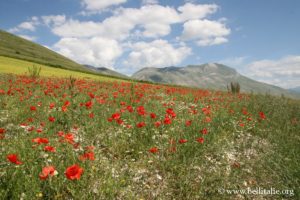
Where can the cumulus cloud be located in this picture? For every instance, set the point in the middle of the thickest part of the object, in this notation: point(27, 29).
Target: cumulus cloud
point(284, 72)
point(54, 20)
point(191, 11)
point(146, 2)
point(26, 26)
point(157, 53)
point(206, 32)
point(98, 5)
point(97, 51)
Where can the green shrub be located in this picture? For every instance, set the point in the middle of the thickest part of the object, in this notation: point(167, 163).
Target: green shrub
point(34, 71)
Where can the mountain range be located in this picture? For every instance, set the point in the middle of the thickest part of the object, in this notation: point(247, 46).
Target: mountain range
point(208, 76)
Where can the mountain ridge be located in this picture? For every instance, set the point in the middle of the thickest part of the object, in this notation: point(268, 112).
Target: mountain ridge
point(208, 76)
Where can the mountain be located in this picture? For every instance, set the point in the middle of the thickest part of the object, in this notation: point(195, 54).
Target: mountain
point(19, 48)
point(210, 76)
point(296, 89)
point(105, 71)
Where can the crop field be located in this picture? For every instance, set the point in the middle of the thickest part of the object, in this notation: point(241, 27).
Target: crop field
point(15, 66)
point(72, 138)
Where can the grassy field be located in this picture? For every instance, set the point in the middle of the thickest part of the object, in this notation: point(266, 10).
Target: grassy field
point(19, 48)
point(62, 138)
point(15, 66)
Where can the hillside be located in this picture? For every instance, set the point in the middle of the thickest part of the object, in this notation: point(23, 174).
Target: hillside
point(211, 76)
point(105, 71)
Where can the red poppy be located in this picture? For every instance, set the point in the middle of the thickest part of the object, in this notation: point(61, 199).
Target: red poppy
point(204, 131)
point(87, 156)
point(116, 116)
point(74, 172)
point(2, 130)
point(153, 150)
point(13, 158)
point(32, 108)
point(157, 124)
point(152, 115)
point(167, 120)
point(262, 115)
point(52, 105)
point(188, 123)
point(182, 141)
point(46, 171)
point(51, 119)
point(40, 140)
point(200, 140)
point(49, 148)
point(141, 124)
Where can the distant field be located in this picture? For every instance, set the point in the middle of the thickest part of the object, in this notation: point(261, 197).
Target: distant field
point(15, 66)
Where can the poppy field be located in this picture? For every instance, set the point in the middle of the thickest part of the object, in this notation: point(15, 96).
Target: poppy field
point(67, 138)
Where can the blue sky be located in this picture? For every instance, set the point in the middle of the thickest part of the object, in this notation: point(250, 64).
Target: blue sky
point(258, 38)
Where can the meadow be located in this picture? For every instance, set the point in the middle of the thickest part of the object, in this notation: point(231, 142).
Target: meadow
point(79, 138)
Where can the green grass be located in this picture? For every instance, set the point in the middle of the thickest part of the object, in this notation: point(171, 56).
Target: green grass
point(241, 150)
point(16, 47)
point(15, 66)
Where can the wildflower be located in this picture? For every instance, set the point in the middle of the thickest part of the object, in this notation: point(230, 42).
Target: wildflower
point(74, 172)
point(200, 140)
point(13, 158)
point(141, 124)
point(262, 115)
point(87, 156)
point(49, 148)
point(51, 119)
point(46, 171)
point(153, 150)
point(182, 141)
point(157, 124)
point(204, 131)
point(40, 140)
point(32, 108)
point(152, 115)
point(188, 123)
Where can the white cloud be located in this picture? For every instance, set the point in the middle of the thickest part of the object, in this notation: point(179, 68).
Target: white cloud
point(284, 72)
point(27, 37)
point(98, 5)
point(26, 26)
point(205, 31)
point(191, 11)
point(158, 53)
point(146, 2)
point(54, 20)
point(237, 62)
point(97, 51)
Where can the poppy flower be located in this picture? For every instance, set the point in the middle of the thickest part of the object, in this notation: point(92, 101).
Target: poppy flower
point(13, 158)
point(2, 130)
point(262, 115)
point(152, 115)
point(32, 108)
point(51, 119)
point(153, 150)
point(157, 124)
point(74, 172)
point(188, 123)
point(49, 149)
point(141, 124)
point(204, 131)
point(87, 156)
point(40, 140)
point(46, 171)
point(167, 120)
point(200, 140)
point(182, 141)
